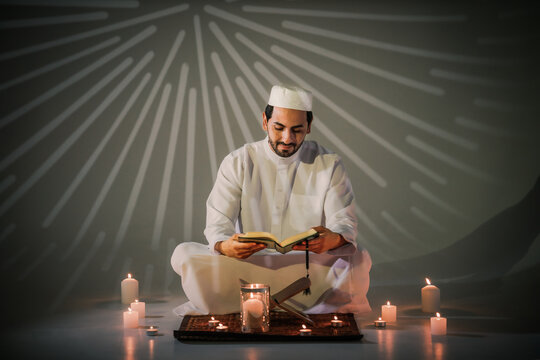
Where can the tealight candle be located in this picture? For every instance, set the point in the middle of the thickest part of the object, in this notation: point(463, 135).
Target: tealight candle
point(131, 319)
point(337, 323)
point(222, 327)
point(438, 325)
point(304, 331)
point(388, 312)
point(213, 322)
point(380, 323)
point(431, 298)
point(140, 307)
point(152, 331)
point(130, 290)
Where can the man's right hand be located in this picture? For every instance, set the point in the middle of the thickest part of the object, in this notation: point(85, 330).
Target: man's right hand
point(236, 249)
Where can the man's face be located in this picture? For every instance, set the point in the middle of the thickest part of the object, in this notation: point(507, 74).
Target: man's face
point(286, 130)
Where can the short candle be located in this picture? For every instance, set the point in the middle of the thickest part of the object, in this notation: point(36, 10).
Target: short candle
point(380, 323)
point(140, 307)
point(152, 331)
point(388, 312)
point(129, 290)
point(222, 327)
point(131, 319)
point(337, 323)
point(305, 331)
point(431, 298)
point(438, 325)
point(213, 322)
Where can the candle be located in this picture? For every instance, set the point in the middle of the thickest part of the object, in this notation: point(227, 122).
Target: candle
point(130, 290)
point(438, 325)
point(252, 312)
point(131, 319)
point(337, 323)
point(213, 322)
point(152, 331)
point(221, 327)
point(380, 323)
point(140, 307)
point(431, 298)
point(388, 312)
point(305, 331)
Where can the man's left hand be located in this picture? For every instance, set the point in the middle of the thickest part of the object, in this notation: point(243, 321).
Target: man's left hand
point(327, 240)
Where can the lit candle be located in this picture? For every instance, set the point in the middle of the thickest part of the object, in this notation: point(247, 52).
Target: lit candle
point(305, 331)
point(222, 327)
point(380, 323)
point(388, 312)
point(431, 298)
point(252, 312)
point(130, 290)
point(131, 319)
point(213, 322)
point(337, 323)
point(140, 307)
point(438, 325)
point(152, 331)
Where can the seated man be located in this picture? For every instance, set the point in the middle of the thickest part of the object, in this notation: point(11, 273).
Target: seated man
point(282, 185)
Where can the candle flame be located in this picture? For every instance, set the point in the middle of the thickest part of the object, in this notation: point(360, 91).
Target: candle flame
point(213, 318)
point(388, 302)
point(151, 327)
point(136, 300)
point(251, 286)
point(428, 282)
point(251, 295)
point(303, 326)
point(129, 309)
point(335, 317)
point(380, 318)
point(220, 324)
point(438, 315)
point(129, 276)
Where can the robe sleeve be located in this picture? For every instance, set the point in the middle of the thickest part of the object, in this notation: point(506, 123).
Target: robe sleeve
point(223, 204)
point(339, 210)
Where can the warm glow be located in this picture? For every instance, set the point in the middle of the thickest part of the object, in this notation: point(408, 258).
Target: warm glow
point(151, 327)
point(251, 295)
point(220, 324)
point(380, 318)
point(303, 326)
point(335, 317)
point(213, 318)
point(438, 315)
point(129, 309)
point(129, 276)
point(428, 282)
point(388, 303)
point(136, 300)
point(251, 286)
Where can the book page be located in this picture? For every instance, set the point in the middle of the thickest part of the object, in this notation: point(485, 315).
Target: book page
point(297, 237)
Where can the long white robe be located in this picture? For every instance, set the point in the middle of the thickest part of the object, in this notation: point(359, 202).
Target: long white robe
point(257, 190)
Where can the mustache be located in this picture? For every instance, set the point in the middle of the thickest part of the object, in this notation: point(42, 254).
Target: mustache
point(282, 143)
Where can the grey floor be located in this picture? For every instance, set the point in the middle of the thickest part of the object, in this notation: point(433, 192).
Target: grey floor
point(97, 333)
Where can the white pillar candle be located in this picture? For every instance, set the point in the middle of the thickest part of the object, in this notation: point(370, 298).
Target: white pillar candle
point(388, 312)
point(130, 290)
point(438, 325)
point(131, 319)
point(253, 310)
point(140, 307)
point(431, 298)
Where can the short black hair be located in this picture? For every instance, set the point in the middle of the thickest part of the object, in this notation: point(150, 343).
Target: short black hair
point(270, 109)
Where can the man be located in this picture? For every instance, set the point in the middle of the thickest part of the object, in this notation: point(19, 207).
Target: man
point(284, 185)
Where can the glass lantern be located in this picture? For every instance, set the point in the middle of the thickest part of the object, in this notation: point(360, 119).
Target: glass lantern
point(254, 308)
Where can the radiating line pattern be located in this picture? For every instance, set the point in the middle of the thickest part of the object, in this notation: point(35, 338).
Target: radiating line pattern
point(117, 124)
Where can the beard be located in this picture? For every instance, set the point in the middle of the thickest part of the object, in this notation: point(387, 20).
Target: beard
point(289, 151)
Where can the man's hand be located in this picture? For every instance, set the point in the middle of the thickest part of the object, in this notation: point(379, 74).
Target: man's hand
point(327, 240)
point(236, 249)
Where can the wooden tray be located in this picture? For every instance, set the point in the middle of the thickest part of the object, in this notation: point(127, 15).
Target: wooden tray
point(283, 327)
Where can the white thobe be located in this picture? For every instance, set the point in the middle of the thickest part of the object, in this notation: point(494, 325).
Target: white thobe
point(257, 190)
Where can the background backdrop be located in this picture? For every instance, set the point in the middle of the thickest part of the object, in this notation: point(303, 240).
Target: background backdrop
point(115, 116)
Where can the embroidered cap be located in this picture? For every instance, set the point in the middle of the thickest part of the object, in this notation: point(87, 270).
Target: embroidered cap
point(290, 97)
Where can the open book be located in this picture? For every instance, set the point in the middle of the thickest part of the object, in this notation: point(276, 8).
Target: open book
point(272, 242)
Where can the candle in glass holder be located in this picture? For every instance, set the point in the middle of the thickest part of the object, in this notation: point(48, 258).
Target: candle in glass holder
point(336, 323)
point(140, 307)
point(438, 325)
point(304, 331)
point(131, 319)
point(152, 331)
point(130, 290)
point(388, 312)
point(431, 298)
point(213, 322)
point(222, 327)
point(380, 323)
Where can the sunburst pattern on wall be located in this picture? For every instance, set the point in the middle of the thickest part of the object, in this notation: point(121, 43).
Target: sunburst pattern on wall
point(116, 114)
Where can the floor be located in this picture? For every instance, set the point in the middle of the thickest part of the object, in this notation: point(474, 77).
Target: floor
point(98, 334)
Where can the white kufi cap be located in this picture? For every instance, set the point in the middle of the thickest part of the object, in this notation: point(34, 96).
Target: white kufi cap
point(290, 97)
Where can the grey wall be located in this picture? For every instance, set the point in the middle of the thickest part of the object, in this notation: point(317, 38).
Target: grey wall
point(116, 114)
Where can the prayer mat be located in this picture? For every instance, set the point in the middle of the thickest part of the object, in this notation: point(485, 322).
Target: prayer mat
point(283, 327)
